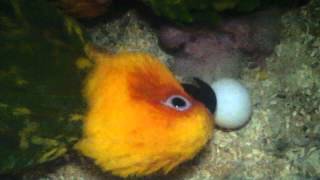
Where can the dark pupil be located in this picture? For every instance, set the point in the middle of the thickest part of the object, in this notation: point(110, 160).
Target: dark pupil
point(178, 102)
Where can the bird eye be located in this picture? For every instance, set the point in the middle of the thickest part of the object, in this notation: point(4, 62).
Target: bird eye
point(177, 102)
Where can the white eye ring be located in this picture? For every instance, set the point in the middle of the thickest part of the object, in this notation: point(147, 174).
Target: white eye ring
point(177, 102)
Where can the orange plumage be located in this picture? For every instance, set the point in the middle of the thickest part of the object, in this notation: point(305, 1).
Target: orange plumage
point(130, 129)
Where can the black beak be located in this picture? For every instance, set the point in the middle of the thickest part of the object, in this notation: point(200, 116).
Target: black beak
point(202, 91)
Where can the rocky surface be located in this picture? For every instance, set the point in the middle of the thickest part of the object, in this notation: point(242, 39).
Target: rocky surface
point(128, 33)
point(212, 53)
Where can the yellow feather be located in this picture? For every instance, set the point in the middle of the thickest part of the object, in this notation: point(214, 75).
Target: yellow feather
point(127, 130)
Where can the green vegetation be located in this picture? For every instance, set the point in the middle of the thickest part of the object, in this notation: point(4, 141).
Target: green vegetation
point(40, 84)
point(207, 11)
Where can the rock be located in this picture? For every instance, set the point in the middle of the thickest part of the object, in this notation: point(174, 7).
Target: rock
point(128, 33)
point(213, 53)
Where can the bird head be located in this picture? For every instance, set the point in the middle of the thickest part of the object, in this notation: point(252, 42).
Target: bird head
point(140, 120)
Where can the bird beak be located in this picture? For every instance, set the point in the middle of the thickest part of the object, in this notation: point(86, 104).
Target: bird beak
point(202, 92)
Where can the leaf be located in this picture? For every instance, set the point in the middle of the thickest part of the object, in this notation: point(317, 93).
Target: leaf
point(40, 83)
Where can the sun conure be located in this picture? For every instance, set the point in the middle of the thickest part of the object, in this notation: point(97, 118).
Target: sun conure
point(125, 111)
point(140, 119)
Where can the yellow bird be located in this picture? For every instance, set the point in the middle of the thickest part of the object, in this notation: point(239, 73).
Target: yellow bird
point(140, 120)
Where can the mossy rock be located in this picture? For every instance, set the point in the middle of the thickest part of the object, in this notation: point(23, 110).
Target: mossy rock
point(41, 75)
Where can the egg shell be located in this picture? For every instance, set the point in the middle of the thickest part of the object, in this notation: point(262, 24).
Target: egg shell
point(233, 103)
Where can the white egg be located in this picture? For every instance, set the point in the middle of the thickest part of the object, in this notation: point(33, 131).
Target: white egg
point(233, 103)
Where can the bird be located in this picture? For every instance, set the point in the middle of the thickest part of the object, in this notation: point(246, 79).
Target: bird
point(125, 111)
point(140, 120)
